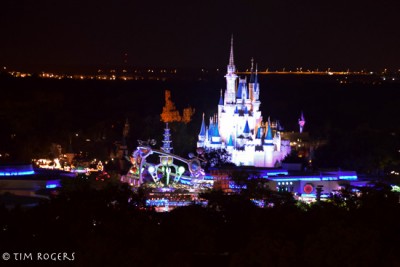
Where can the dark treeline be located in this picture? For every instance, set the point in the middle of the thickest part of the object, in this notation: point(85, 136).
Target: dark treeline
point(104, 225)
point(358, 119)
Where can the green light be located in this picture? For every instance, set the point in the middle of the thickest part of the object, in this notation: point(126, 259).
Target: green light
point(396, 188)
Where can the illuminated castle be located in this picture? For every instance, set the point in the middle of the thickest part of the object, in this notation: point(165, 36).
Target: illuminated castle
point(239, 126)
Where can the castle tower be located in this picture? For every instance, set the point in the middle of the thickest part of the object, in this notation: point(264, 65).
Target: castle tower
point(246, 129)
point(242, 90)
point(269, 147)
point(215, 138)
point(202, 134)
point(220, 105)
point(302, 122)
point(211, 128)
point(256, 93)
point(239, 126)
point(230, 78)
point(252, 81)
point(167, 140)
point(259, 135)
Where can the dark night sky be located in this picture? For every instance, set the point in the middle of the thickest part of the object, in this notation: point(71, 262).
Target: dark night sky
point(310, 34)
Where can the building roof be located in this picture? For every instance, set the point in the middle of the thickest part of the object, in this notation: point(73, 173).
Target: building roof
point(259, 134)
point(216, 130)
point(246, 128)
point(221, 100)
point(239, 91)
point(230, 142)
point(210, 129)
point(268, 136)
point(202, 128)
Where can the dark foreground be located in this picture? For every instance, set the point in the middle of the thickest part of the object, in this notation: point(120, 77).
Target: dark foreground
point(106, 227)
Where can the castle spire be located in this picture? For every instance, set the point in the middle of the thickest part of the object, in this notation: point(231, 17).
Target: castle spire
point(231, 66)
point(230, 93)
point(221, 100)
point(231, 62)
point(252, 78)
point(268, 136)
point(211, 127)
point(246, 130)
point(230, 142)
point(256, 78)
point(203, 134)
point(203, 128)
point(216, 130)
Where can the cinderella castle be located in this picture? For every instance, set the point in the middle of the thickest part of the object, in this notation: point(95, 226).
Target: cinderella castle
point(239, 126)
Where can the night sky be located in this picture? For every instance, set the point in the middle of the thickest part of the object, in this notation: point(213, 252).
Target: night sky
point(310, 34)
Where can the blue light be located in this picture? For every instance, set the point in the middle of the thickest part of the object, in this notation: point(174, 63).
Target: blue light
point(51, 186)
point(308, 195)
point(208, 177)
point(185, 181)
point(296, 179)
point(275, 173)
point(315, 178)
point(232, 185)
point(165, 202)
point(16, 173)
point(259, 203)
point(156, 202)
point(348, 177)
point(327, 178)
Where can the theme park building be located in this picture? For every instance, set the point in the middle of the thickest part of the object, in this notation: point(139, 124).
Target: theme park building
point(239, 127)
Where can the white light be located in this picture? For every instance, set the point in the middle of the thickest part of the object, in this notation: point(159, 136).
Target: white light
point(181, 169)
point(151, 169)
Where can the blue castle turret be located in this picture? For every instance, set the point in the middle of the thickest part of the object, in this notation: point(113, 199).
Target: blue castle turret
point(202, 133)
point(246, 130)
point(221, 100)
point(268, 136)
point(216, 138)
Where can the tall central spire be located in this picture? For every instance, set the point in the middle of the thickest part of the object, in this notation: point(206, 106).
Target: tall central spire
point(231, 66)
point(231, 54)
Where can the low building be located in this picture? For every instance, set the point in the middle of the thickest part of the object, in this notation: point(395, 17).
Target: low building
point(303, 185)
point(22, 180)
